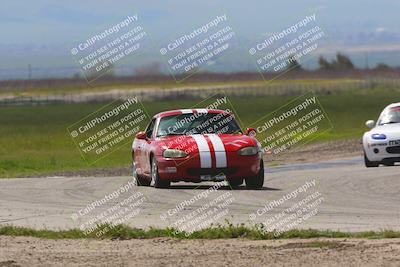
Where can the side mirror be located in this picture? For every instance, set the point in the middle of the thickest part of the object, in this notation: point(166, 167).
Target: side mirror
point(251, 132)
point(141, 135)
point(370, 124)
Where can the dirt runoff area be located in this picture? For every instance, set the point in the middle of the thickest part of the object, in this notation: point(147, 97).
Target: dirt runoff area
point(311, 153)
point(28, 251)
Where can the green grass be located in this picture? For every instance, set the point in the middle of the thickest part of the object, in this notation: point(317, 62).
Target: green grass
point(33, 139)
point(167, 85)
point(213, 232)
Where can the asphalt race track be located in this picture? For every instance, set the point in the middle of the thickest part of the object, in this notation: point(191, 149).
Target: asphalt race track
point(354, 198)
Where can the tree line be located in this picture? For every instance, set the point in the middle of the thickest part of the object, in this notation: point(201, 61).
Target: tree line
point(339, 63)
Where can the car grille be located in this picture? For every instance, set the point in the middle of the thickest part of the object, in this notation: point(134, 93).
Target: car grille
point(393, 150)
point(211, 171)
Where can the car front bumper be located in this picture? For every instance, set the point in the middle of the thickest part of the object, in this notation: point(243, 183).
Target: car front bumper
point(382, 151)
point(188, 169)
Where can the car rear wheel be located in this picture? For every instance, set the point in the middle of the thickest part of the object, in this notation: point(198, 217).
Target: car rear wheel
point(155, 177)
point(139, 180)
point(257, 181)
point(370, 164)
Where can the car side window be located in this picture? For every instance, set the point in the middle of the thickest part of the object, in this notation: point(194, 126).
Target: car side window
point(150, 128)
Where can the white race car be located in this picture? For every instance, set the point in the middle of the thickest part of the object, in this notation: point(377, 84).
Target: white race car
point(382, 143)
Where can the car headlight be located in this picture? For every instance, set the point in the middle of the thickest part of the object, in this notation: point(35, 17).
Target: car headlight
point(174, 153)
point(248, 151)
point(378, 137)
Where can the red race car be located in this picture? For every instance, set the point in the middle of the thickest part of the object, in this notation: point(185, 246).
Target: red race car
point(195, 145)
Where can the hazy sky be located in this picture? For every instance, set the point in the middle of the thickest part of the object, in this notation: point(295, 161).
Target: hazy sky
point(42, 32)
point(55, 22)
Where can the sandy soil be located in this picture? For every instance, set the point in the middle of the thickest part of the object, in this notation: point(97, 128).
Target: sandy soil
point(27, 251)
point(318, 152)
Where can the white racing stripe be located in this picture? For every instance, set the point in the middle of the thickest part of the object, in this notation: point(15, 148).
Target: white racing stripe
point(201, 110)
point(204, 150)
point(186, 111)
point(220, 153)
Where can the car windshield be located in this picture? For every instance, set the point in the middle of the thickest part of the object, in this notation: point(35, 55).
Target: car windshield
point(198, 123)
point(391, 115)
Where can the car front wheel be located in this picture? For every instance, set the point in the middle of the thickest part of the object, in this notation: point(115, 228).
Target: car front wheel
point(155, 177)
point(235, 183)
point(368, 163)
point(256, 182)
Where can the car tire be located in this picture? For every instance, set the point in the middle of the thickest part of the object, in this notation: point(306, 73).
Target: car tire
point(370, 164)
point(139, 180)
point(256, 182)
point(388, 163)
point(155, 177)
point(235, 183)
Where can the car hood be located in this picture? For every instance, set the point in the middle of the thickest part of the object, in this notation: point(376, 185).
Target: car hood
point(230, 142)
point(387, 128)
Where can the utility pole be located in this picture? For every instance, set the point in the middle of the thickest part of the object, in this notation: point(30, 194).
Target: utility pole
point(366, 61)
point(29, 71)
